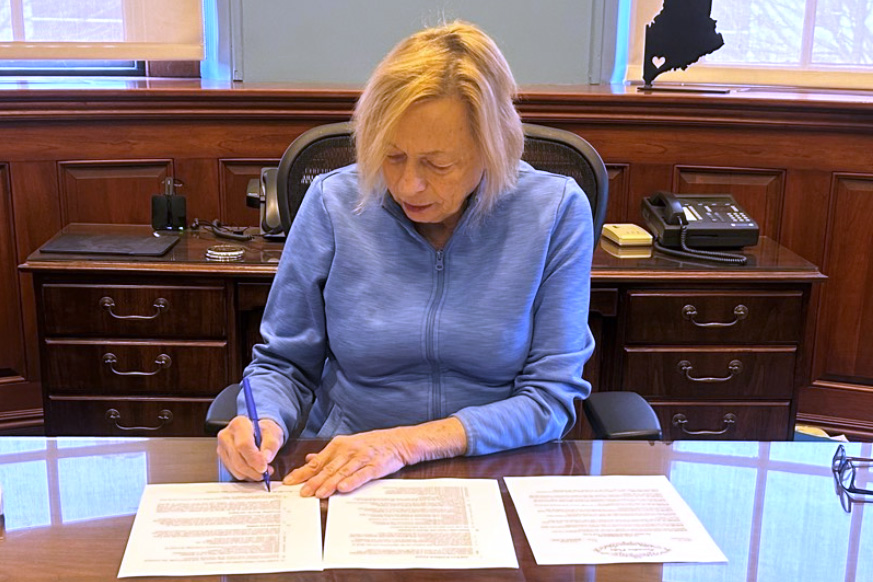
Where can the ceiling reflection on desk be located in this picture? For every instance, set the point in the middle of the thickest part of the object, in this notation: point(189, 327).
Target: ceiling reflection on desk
point(801, 533)
point(771, 507)
point(49, 482)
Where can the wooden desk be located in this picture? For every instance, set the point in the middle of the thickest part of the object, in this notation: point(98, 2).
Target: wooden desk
point(770, 507)
point(720, 351)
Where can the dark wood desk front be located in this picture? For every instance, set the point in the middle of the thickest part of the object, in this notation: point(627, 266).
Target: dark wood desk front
point(720, 351)
point(770, 507)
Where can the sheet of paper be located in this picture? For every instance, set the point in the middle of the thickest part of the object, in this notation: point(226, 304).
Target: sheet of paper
point(609, 519)
point(223, 528)
point(419, 523)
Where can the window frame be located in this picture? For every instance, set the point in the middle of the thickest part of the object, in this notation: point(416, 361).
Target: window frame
point(138, 69)
point(805, 74)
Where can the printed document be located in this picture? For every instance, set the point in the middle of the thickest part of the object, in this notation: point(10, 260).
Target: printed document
point(419, 523)
point(223, 528)
point(609, 519)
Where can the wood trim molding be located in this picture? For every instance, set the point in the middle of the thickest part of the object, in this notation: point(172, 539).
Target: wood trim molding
point(593, 105)
point(857, 430)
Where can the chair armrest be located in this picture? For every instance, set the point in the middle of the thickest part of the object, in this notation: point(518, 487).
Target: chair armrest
point(621, 415)
point(222, 410)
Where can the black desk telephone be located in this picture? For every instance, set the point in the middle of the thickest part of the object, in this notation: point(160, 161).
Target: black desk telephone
point(683, 224)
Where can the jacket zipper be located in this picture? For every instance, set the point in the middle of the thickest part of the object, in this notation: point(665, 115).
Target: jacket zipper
point(436, 394)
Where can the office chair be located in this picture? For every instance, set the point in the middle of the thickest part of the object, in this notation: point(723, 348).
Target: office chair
point(328, 147)
point(612, 415)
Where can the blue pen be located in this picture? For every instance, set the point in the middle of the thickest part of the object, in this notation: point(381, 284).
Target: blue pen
point(253, 416)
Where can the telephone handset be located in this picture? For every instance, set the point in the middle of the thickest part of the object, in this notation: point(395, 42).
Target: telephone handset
point(263, 193)
point(683, 224)
point(673, 211)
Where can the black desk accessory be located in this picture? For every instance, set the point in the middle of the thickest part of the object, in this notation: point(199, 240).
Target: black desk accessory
point(677, 37)
point(154, 245)
point(168, 209)
point(222, 230)
point(684, 224)
point(262, 193)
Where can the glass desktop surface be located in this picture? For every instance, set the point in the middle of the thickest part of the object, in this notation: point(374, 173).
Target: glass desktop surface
point(770, 507)
point(189, 254)
point(767, 256)
point(261, 257)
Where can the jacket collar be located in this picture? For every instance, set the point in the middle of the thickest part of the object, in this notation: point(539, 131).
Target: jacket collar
point(394, 209)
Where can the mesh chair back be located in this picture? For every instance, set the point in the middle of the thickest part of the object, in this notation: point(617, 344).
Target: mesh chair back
point(316, 151)
point(329, 147)
point(562, 152)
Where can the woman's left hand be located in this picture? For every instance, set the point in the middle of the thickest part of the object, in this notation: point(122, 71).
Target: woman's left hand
point(347, 462)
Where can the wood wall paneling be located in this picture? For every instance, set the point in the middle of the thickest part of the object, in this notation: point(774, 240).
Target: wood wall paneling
point(12, 362)
point(805, 207)
point(839, 409)
point(37, 216)
point(230, 134)
point(199, 178)
point(759, 192)
point(844, 350)
point(619, 181)
point(117, 191)
point(799, 164)
point(36, 204)
point(645, 179)
point(234, 178)
point(20, 400)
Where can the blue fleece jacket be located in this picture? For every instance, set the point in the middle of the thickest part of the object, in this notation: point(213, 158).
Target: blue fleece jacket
point(368, 326)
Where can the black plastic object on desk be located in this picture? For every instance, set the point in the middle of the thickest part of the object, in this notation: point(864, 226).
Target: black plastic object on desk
point(146, 245)
point(168, 209)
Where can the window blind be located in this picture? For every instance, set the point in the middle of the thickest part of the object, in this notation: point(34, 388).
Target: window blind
point(101, 29)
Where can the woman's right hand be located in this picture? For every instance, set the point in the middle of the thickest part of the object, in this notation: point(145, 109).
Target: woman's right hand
point(237, 450)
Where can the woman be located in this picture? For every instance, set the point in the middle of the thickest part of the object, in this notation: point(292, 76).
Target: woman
point(432, 299)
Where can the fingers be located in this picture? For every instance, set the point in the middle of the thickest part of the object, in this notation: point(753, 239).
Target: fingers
point(346, 463)
point(304, 472)
point(237, 451)
point(272, 438)
point(366, 474)
point(325, 482)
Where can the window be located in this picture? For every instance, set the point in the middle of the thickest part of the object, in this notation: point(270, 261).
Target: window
point(114, 36)
point(45, 481)
point(815, 43)
point(791, 486)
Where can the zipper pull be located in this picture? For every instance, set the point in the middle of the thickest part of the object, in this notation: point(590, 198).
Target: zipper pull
point(439, 261)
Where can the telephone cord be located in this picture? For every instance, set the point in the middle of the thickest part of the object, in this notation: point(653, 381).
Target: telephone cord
point(689, 253)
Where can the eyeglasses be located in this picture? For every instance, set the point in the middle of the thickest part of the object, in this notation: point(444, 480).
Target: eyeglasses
point(845, 468)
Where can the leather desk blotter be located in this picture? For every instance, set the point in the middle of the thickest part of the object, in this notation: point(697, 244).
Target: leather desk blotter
point(111, 244)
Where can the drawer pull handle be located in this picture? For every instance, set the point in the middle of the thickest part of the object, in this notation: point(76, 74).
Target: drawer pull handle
point(735, 367)
point(729, 420)
point(163, 361)
point(689, 312)
point(160, 305)
point(113, 416)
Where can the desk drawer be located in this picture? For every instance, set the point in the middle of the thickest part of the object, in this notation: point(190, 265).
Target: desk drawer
point(710, 373)
point(134, 311)
point(125, 417)
point(136, 367)
point(723, 421)
point(704, 317)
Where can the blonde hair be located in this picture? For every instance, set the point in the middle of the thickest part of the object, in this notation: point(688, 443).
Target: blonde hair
point(452, 60)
